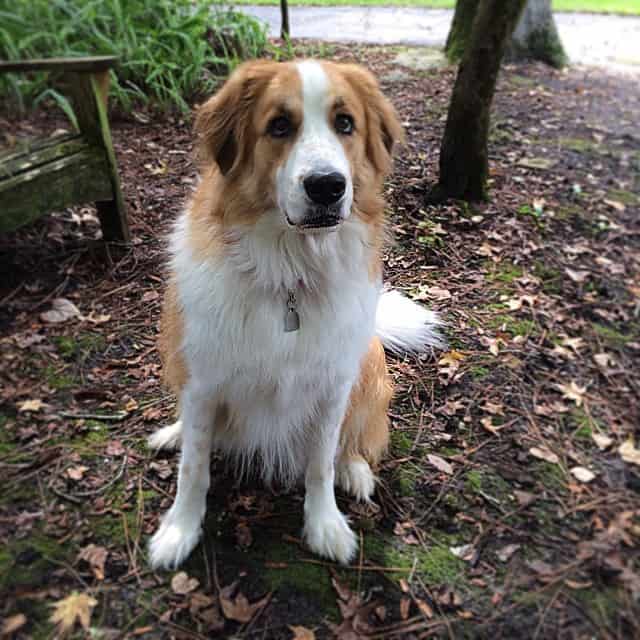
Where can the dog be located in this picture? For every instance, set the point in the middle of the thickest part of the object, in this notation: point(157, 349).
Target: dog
point(275, 318)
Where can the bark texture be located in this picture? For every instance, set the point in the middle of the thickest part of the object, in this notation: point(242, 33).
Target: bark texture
point(458, 37)
point(464, 165)
point(285, 32)
point(536, 36)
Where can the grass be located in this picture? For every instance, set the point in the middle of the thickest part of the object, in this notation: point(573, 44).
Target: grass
point(629, 7)
point(170, 51)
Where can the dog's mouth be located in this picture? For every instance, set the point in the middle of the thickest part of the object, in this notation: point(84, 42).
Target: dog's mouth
point(325, 220)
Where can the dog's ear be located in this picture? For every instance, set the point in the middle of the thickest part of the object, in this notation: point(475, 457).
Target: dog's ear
point(222, 122)
point(384, 130)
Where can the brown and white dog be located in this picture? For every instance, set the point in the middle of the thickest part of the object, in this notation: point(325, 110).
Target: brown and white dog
point(275, 318)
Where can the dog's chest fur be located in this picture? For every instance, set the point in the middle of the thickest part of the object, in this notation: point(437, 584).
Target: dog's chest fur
point(269, 381)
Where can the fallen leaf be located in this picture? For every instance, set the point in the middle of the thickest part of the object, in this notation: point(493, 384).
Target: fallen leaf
point(602, 442)
point(487, 424)
point(494, 408)
point(464, 552)
point(30, 405)
point(572, 391)
point(537, 163)
point(301, 633)
point(604, 360)
point(95, 556)
point(243, 535)
point(12, 624)
point(405, 604)
point(440, 464)
point(577, 276)
point(61, 311)
point(544, 454)
point(182, 584)
point(628, 452)
point(424, 608)
point(76, 473)
point(438, 294)
point(614, 204)
point(74, 608)
point(524, 498)
point(583, 474)
point(506, 552)
point(238, 608)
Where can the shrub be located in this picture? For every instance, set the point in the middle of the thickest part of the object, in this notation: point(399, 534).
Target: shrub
point(170, 51)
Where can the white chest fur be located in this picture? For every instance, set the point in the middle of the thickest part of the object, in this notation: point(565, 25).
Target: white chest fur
point(270, 381)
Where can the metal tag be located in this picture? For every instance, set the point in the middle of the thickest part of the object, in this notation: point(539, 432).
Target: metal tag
point(291, 321)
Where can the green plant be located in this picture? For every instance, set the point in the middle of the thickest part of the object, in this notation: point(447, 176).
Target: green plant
point(170, 51)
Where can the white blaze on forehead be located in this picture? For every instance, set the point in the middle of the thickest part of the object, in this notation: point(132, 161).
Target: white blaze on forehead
point(317, 149)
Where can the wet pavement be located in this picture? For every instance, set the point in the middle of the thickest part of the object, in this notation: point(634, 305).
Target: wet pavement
point(592, 39)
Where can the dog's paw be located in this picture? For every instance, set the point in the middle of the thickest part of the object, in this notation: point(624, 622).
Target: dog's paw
point(355, 477)
point(331, 537)
point(173, 542)
point(166, 438)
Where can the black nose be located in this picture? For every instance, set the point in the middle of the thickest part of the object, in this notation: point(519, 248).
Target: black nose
point(325, 188)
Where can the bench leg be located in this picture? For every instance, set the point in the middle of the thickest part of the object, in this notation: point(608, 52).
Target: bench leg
point(113, 221)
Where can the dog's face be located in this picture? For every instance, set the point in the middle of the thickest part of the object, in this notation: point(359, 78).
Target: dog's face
point(301, 138)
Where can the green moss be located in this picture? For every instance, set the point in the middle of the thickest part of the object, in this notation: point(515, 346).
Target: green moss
point(58, 379)
point(503, 272)
point(579, 145)
point(436, 565)
point(405, 477)
point(82, 345)
point(626, 197)
point(550, 277)
point(522, 81)
point(401, 443)
point(479, 372)
point(551, 476)
point(611, 335)
point(473, 481)
point(514, 326)
point(603, 603)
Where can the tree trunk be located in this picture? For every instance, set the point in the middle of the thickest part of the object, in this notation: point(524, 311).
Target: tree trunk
point(284, 12)
point(536, 36)
point(464, 164)
point(460, 29)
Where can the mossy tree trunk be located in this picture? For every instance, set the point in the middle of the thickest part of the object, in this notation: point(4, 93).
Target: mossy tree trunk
point(464, 164)
point(458, 37)
point(284, 12)
point(535, 36)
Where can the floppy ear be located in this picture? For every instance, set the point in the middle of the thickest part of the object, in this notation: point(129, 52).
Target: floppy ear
point(222, 122)
point(384, 130)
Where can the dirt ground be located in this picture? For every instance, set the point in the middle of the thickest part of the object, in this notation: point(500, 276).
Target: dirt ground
point(508, 506)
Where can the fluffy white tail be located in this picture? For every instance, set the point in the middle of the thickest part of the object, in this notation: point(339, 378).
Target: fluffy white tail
point(406, 327)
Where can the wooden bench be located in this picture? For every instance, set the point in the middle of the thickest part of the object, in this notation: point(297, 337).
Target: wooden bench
point(50, 174)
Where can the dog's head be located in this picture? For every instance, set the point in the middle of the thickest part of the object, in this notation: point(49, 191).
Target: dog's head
point(303, 138)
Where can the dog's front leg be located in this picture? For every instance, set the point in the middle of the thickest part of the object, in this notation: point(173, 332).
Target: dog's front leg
point(326, 529)
point(180, 529)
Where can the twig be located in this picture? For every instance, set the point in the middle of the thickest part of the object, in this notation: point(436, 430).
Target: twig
point(77, 497)
point(109, 417)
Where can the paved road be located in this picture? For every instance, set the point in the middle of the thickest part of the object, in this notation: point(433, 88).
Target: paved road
point(588, 38)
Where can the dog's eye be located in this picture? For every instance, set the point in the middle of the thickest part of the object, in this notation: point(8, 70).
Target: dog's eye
point(344, 124)
point(280, 127)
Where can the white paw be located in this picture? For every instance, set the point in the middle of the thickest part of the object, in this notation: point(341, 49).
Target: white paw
point(173, 541)
point(331, 537)
point(355, 477)
point(166, 438)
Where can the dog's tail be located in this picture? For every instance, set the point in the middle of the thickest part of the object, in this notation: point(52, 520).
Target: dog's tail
point(405, 327)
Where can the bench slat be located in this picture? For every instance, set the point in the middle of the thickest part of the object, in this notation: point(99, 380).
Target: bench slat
point(81, 177)
point(90, 63)
point(39, 153)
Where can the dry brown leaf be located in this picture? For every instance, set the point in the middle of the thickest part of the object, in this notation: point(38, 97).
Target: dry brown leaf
point(30, 405)
point(544, 454)
point(76, 473)
point(614, 204)
point(582, 474)
point(572, 391)
point(506, 552)
point(182, 584)
point(424, 608)
point(440, 464)
point(12, 624)
point(61, 311)
point(301, 633)
point(76, 607)
point(524, 498)
point(238, 608)
point(405, 604)
point(96, 557)
point(577, 276)
point(604, 360)
point(602, 442)
point(628, 452)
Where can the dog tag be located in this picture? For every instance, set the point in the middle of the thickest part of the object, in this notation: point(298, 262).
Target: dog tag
point(292, 317)
point(291, 321)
